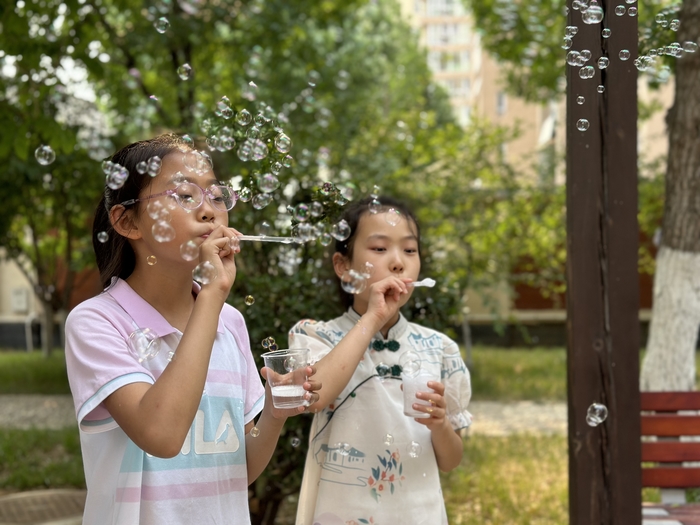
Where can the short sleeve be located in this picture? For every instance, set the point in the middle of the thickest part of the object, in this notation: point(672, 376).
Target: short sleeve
point(458, 388)
point(99, 361)
point(310, 334)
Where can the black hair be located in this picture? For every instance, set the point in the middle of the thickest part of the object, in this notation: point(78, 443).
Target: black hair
point(352, 215)
point(116, 257)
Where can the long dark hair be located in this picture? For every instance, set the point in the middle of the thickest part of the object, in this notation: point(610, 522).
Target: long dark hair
point(352, 215)
point(115, 257)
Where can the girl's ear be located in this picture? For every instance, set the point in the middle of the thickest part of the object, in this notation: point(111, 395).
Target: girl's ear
point(123, 222)
point(340, 264)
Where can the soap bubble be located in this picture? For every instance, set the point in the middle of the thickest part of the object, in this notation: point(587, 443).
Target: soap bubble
point(690, 47)
point(283, 143)
point(592, 15)
point(661, 20)
point(254, 432)
point(142, 167)
point(204, 273)
point(415, 449)
point(250, 92)
point(580, 100)
point(586, 72)
point(244, 194)
point(606, 33)
point(375, 206)
point(249, 300)
point(316, 209)
point(117, 177)
point(620, 10)
point(291, 363)
point(151, 260)
point(268, 183)
point(570, 31)
point(632, 11)
point(145, 343)
point(567, 43)
point(287, 161)
point(157, 211)
point(261, 200)
point(161, 25)
point(103, 237)
point(573, 58)
point(388, 439)
point(245, 150)
point(596, 414)
point(189, 250)
point(603, 62)
point(295, 442)
point(44, 155)
point(353, 282)
point(674, 25)
point(244, 118)
point(341, 230)
point(410, 363)
point(392, 217)
point(601, 88)
point(263, 228)
point(162, 231)
point(184, 71)
point(325, 239)
point(582, 124)
point(301, 212)
point(586, 54)
point(344, 449)
point(376, 190)
point(259, 150)
point(624, 54)
point(367, 269)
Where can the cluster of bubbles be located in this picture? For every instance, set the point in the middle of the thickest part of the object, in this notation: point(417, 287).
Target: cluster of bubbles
point(144, 343)
point(355, 281)
point(269, 344)
point(151, 166)
point(115, 174)
point(596, 414)
point(45, 155)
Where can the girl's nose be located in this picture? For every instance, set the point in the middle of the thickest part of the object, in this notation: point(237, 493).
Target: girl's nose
point(206, 210)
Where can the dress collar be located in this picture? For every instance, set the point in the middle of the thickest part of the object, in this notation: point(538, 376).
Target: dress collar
point(395, 332)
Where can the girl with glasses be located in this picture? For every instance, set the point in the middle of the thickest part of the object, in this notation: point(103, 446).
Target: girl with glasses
point(163, 379)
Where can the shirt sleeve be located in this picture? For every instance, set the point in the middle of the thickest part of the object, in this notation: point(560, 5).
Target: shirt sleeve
point(458, 388)
point(310, 334)
point(99, 362)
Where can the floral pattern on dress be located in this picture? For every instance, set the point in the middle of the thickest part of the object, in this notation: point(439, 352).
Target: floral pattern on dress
point(385, 476)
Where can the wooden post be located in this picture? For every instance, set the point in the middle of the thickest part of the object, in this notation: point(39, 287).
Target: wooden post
point(603, 296)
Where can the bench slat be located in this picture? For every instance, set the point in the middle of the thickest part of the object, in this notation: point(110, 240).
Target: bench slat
point(670, 452)
point(671, 477)
point(670, 401)
point(670, 425)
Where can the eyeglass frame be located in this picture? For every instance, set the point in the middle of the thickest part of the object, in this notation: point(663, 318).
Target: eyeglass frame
point(173, 191)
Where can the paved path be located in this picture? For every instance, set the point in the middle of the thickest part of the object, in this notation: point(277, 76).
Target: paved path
point(64, 507)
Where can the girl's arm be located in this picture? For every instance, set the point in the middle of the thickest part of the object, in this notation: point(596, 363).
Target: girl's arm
point(158, 417)
point(337, 367)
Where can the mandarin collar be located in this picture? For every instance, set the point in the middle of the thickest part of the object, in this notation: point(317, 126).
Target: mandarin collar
point(395, 332)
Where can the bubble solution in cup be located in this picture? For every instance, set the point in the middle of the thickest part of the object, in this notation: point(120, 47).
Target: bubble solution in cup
point(287, 375)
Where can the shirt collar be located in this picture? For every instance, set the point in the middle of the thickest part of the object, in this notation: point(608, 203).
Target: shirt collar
point(142, 312)
point(395, 332)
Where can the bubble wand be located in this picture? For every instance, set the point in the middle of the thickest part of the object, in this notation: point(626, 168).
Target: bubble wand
point(269, 238)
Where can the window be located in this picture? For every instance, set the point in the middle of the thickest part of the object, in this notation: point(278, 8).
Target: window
point(501, 103)
point(447, 34)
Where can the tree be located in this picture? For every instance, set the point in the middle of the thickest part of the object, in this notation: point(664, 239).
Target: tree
point(521, 36)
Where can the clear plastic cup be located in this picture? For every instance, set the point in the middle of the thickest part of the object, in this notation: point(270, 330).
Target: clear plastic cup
point(412, 384)
point(286, 375)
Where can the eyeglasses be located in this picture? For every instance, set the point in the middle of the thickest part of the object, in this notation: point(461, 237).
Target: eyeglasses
point(190, 196)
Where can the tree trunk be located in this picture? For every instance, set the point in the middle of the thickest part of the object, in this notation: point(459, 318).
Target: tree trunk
point(669, 363)
point(47, 329)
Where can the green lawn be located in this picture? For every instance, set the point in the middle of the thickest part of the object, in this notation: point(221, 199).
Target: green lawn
point(31, 373)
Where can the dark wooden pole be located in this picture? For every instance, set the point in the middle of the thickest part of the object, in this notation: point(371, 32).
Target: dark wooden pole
point(603, 295)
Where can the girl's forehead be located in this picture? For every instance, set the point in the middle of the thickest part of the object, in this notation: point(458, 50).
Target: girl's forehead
point(386, 224)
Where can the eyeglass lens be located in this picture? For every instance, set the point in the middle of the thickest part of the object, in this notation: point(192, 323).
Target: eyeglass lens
point(190, 196)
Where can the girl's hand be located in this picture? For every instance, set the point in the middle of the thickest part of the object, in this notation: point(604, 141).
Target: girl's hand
point(311, 395)
point(218, 250)
point(385, 297)
point(437, 409)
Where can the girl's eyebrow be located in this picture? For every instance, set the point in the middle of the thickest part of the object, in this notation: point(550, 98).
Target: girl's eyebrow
point(183, 178)
point(381, 236)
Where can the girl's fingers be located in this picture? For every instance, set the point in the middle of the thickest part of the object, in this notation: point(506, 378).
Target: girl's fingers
point(312, 386)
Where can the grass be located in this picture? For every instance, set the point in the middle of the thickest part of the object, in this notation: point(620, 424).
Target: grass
point(31, 373)
point(31, 459)
point(519, 479)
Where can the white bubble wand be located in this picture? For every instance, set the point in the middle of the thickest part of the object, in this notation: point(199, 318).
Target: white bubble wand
point(269, 238)
point(427, 282)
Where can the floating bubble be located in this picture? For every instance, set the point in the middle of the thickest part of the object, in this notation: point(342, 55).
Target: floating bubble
point(151, 260)
point(674, 25)
point(620, 10)
point(291, 363)
point(410, 363)
point(567, 42)
point(570, 31)
point(161, 25)
point(287, 161)
point(388, 439)
point(582, 124)
point(103, 237)
point(44, 155)
point(249, 300)
point(586, 54)
point(367, 269)
point(259, 150)
point(392, 216)
point(184, 71)
point(302, 212)
point(586, 72)
point(157, 211)
point(573, 58)
point(605, 33)
point(580, 100)
point(375, 206)
point(690, 47)
point(592, 15)
point(624, 54)
point(295, 442)
point(601, 88)
point(325, 239)
point(117, 177)
point(245, 150)
point(244, 194)
point(254, 432)
point(189, 250)
point(145, 343)
point(250, 92)
point(244, 118)
point(661, 20)
point(283, 143)
point(204, 273)
point(341, 230)
point(276, 167)
point(603, 62)
point(268, 183)
point(316, 209)
point(162, 231)
point(142, 167)
point(376, 190)
point(266, 342)
point(632, 11)
point(154, 165)
point(261, 200)
point(415, 449)
point(353, 282)
point(344, 449)
point(263, 228)
point(596, 414)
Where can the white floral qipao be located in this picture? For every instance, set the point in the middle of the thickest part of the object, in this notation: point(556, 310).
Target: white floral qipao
point(367, 461)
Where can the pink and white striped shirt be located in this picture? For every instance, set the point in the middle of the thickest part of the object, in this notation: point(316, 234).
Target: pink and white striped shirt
point(206, 483)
